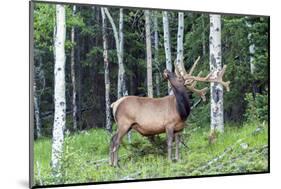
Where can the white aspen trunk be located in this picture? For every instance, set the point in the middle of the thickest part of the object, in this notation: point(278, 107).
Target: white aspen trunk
point(215, 66)
point(106, 73)
point(251, 50)
point(167, 46)
point(36, 111)
point(123, 89)
point(59, 92)
point(38, 77)
point(156, 54)
point(119, 44)
point(252, 65)
point(73, 80)
point(180, 41)
point(148, 54)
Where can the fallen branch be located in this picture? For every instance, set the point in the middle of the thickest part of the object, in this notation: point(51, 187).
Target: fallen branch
point(130, 177)
point(196, 104)
point(101, 161)
point(228, 149)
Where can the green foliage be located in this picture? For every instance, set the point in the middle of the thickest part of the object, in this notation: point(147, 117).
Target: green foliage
point(259, 31)
point(196, 116)
point(89, 55)
point(44, 18)
point(257, 108)
point(44, 25)
point(85, 156)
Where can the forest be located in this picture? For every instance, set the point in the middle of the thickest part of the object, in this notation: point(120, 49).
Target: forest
point(87, 57)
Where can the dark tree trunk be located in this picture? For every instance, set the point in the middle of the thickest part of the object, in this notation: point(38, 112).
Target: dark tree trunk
point(73, 77)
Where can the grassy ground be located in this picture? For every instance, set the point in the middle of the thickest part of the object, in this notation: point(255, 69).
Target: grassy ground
point(241, 149)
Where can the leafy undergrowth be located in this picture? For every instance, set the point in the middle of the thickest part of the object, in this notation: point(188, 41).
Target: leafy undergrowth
point(241, 149)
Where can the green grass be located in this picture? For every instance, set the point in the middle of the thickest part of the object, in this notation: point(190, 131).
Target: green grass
point(241, 149)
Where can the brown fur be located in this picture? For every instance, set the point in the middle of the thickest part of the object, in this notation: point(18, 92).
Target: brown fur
point(151, 116)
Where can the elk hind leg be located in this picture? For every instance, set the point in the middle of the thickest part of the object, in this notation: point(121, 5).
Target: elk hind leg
point(116, 139)
point(112, 146)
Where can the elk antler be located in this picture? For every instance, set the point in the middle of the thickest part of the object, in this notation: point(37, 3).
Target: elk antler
point(191, 81)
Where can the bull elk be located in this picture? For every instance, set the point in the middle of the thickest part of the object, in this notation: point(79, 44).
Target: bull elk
point(151, 116)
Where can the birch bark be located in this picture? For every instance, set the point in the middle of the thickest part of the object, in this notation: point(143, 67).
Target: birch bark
point(167, 45)
point(252, 52)
point(59, 92)
point(156, 54)
point(119, 41)
point(106, 72)
point(39, 79)
point(36, 111)
point(215, 67)
point(251, 49)
point(148, 54)
point(180, 42)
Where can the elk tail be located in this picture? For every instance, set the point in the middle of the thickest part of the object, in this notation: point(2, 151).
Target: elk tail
point(115, 105)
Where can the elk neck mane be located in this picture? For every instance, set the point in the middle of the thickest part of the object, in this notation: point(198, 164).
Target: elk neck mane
point(182, 99)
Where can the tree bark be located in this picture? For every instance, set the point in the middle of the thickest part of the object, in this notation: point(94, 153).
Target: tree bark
point(203, 36)
point(157, 82)
point(37, 111)
point(180, 40)
point(39, 78)
point(215, 67)
point(79, 83)
point(156, 39)
point(121, 87)
point(106, 73)
point(73, 78)
point(59, 92)
point(251, 48)
point(252, 65)
point(124, 91)
point(148, 54)
point(156, 54)
point(167, 45)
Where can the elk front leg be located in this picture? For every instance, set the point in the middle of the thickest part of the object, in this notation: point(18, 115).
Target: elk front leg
point(177, 140)
point(170, 136)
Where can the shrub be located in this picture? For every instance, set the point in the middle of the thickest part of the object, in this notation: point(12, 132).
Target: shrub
point(257, 108)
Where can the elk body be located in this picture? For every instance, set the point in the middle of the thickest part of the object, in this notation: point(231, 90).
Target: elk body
point(151, 116)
